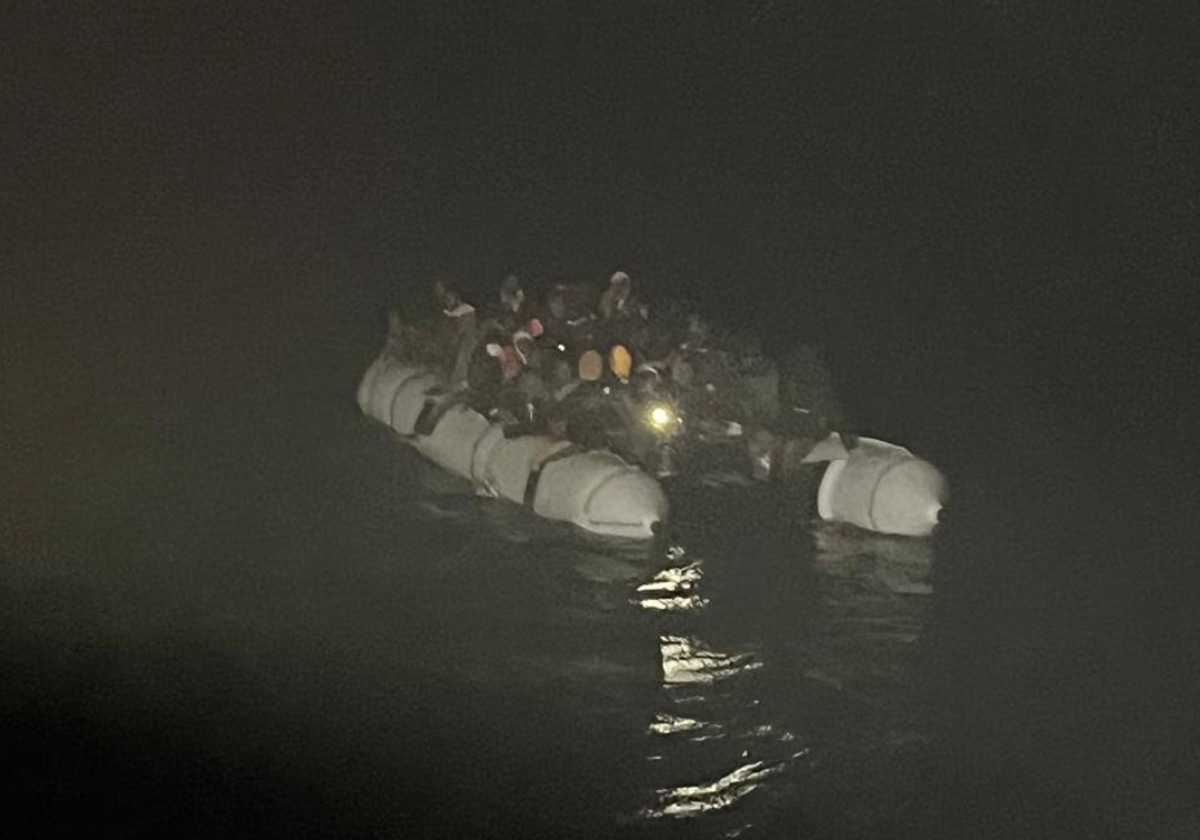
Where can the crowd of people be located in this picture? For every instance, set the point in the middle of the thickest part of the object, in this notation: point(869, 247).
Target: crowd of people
point(601, 370)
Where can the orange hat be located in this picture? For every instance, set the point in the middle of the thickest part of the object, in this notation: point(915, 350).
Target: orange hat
point(620, 362)
point(591, 366)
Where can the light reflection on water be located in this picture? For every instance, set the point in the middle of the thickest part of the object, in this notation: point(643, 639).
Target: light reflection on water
point(733, 663)
point(689, 663)
point(746, 678)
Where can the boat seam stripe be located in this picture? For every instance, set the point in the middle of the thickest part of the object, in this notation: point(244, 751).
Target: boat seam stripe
point(587, 503)
point(875, 490)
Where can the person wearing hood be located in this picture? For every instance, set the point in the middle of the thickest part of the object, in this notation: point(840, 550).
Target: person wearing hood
point(625, 318)
point(617, 297)
point(515, 309)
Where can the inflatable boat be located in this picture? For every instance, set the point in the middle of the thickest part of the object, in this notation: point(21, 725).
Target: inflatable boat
point(597, 491)
point(881, 487)
point(874, 485)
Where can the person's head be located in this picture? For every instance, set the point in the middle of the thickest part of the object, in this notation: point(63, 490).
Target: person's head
point(591, 366)
point(646, 382)
point(620, 362)
point(511, 293)
point(747, 348)
point(444, 292)
point(450, 299)
point(510, 285)
point(559, 371)
point(620, 280)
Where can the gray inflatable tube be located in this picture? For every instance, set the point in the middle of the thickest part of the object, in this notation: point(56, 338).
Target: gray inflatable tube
point(597, 491)
point(882, 487)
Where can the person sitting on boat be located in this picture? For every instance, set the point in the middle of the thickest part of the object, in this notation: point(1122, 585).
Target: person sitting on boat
point(561, 375)
point(693, 344)
point(582, 320)
point(555, 321)
point(581, 313)
point(616, 297)
point(529, 395)
point(508, 358)
point(808, 401)
point(484, 378)
point(624, 318)
point(459, 330)
point(495, 365)
point(514, 308)
point(417, 342)
point(657, 337)
point(756, 380)
point(648, 419)
point(587, 409)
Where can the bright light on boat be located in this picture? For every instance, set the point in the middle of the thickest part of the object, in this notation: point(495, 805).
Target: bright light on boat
point(661, 417)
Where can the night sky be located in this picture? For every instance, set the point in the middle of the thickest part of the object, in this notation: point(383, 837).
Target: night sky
point(934, 174)
point(985, 213)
